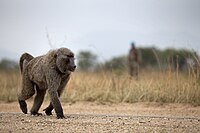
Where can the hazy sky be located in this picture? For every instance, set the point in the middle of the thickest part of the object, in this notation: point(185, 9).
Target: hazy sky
point(106, 27)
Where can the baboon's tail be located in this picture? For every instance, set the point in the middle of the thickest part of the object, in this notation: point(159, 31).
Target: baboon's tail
point(24, 57)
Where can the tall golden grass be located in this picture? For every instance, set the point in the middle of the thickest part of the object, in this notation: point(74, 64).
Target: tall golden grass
point(9, 85)
point(163, 87)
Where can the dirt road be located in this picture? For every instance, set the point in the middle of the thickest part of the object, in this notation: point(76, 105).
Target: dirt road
point(94, 117)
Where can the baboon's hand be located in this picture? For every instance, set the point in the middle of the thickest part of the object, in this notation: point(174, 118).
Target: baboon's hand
point(60, 116)
point(36, 113)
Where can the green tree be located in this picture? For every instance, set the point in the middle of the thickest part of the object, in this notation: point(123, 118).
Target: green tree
point(149, 55)
point(116, 63)
point(177, 58)
point(86, 60)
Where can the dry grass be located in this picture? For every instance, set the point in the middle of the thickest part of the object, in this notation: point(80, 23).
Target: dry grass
point(9, 85)
point(163, 87)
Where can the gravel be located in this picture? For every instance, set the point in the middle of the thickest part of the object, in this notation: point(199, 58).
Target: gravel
point(108, 118)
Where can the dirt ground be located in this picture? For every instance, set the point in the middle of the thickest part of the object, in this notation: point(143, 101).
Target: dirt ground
point(95, 117)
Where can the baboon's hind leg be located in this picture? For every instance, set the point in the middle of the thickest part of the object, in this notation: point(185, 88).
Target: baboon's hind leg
point(26, 92)
point(39, 98)
point(48, 109)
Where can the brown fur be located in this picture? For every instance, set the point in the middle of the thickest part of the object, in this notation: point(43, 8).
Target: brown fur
point(26, 57)
point(47, 72)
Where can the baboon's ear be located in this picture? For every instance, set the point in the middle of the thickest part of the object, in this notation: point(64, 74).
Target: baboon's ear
point(61, 63)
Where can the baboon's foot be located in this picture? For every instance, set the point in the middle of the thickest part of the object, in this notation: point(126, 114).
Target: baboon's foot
point(60, 116)
point(23, 106)
point(47, 111)
point(35, 113)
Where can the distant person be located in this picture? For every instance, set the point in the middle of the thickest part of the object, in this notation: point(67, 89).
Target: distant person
point(133, 61)
point(196, 65)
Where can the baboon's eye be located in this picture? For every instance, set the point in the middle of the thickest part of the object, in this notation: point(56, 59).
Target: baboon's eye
point(70, 56)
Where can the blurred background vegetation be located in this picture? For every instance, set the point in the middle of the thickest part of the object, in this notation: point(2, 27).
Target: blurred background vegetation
point(7, 65)
point(151, 59)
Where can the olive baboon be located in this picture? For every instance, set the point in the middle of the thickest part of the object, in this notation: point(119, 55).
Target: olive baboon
point(47, 72)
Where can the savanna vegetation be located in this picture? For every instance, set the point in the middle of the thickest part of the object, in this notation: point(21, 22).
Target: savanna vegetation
point(168, 76)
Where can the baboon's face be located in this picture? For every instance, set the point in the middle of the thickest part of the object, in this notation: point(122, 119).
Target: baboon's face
point(70, 63)
point(65, 62)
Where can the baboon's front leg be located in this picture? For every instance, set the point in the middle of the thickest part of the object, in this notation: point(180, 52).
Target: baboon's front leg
point(53, 81)
point(56, 104)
